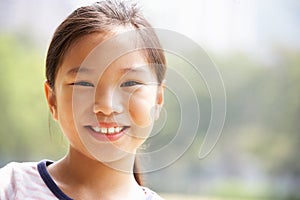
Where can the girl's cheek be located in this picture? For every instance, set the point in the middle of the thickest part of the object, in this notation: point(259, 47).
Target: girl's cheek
point(140, 109)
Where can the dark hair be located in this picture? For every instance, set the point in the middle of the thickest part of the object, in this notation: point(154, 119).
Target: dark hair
point(104, 17)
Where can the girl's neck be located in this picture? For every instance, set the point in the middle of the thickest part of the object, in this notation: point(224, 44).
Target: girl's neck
point(87, 176)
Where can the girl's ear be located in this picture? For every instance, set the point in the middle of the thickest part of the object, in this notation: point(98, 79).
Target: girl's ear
point(159, 100)
point(51, 99)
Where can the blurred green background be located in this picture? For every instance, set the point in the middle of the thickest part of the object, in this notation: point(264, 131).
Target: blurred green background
point(256, 46)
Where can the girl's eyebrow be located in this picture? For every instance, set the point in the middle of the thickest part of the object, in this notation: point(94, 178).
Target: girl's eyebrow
point(125, 70)
point(134, 69)
point(77, 70)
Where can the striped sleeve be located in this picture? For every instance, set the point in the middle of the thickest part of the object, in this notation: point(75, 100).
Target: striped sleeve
point(22, 181)
point(6, 186)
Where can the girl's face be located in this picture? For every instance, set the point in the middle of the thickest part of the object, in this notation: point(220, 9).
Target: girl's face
point(105, 107)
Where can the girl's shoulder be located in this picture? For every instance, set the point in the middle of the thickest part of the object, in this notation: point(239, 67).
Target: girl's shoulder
point(151, 195)
point(15, 171)
point(21, 180)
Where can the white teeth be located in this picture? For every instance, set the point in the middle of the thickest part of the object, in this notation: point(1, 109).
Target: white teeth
point(96, 129)
point(103, 130)
point(118, 129)
point(110, 130)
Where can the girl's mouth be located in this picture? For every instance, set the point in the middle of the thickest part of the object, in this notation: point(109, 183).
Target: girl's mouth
point(108, 130)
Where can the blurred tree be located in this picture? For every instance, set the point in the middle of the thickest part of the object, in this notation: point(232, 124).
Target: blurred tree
point(24, 120)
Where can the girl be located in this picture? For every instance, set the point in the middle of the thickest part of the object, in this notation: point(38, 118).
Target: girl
point(105, 71)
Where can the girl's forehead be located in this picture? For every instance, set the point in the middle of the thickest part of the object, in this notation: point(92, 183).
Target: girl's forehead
point(102, 50)
point(118, 39)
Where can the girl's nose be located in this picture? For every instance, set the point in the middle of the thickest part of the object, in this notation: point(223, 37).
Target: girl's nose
point(107, 102)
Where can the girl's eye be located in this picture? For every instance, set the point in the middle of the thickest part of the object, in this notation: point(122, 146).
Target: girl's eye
point(83, 83)
point(130, 83)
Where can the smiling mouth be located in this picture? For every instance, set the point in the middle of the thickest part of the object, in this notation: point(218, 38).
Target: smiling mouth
point(108, 130)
